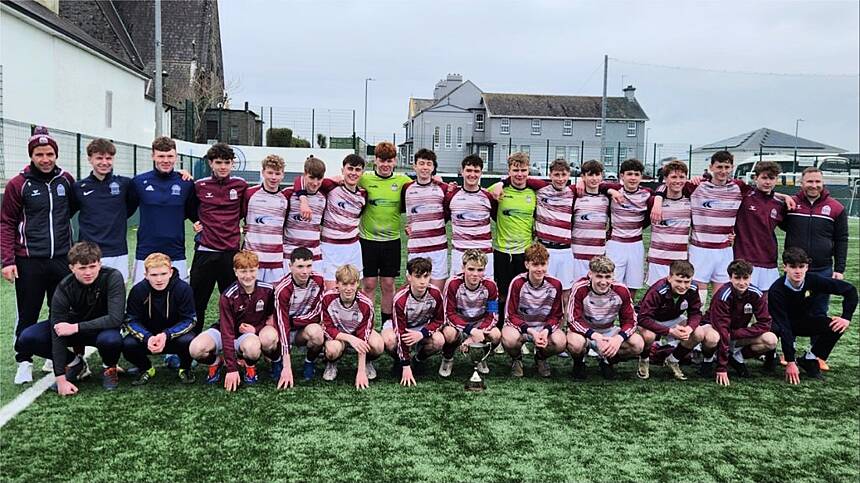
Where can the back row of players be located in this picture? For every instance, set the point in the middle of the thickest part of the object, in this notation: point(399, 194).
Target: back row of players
point(317, 223)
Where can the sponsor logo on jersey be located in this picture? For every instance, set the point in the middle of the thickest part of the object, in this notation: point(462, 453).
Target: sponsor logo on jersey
point(209, 196)
point(87, 193)
point(149, 188)
point(35, 193)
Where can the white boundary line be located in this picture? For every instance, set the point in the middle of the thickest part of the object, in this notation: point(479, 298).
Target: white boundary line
point(26, 398)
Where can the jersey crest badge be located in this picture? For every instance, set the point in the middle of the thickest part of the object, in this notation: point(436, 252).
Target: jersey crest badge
point(114, 188)
point(61, 190)
point(748, 309)
point(260, 305)
point(826, 210)
point(175, 190)
point(234, 195)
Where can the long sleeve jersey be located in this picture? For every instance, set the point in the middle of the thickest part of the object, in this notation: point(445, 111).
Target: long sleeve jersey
point(790, 306)
point(355, 318)
point(467, 308)
point(423, 314)
point(103, 208)
point(97, 306)
point(662, 304)
point(533, 307)
point(820, 228)
point(296, 306)
point(237, 307)
point(164, 201)
point(219, 205)
point(591, 312)
point(150, 312)
point(730, 315)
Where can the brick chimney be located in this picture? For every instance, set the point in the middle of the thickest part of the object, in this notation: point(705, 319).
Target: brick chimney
point(628, 93)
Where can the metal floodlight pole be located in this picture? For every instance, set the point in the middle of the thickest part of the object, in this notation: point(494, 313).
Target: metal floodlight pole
point(365, 105)
point(158, 68)
point(603, 108)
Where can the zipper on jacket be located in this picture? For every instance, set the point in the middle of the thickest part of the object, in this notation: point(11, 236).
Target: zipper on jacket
point(51, 215)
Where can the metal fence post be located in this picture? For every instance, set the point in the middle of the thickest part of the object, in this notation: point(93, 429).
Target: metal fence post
point(313, 122)
point(134, 158)
point(618, 161)
point(581, 153)
point(78, 136)
point(546, 167)
point(654, 162)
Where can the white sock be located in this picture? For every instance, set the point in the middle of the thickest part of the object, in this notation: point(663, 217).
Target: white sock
point(307, 361)
point(703, 295)
point(736, 353)
point(810, 356)
point(672, 359)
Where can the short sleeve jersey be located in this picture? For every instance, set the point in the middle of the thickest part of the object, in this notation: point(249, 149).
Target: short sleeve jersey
point(515, 220)
point(380, 220)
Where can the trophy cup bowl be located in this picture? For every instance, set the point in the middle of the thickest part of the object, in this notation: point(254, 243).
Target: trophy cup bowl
point(477, 352)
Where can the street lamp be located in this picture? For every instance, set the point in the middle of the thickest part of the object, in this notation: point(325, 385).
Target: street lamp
point(365, 106)
point(796, 127)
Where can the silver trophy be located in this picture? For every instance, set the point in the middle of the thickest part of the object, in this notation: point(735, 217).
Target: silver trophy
point(477, 352)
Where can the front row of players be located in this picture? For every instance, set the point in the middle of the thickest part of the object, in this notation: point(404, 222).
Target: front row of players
point(259, 320)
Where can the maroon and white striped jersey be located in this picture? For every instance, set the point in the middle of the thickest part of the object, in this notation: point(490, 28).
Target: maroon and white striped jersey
point(629, 217)
point(533, 307)
point(670, 237)
point(423, 314)
point(297, 306)
point(303, 233)
point(425, 215)
point(470, 213)
point(465, 307)
point(714, 209)
point(554, 214)
point(355, 319)
point(265, 214)
point(590, 311)
point(590, 217)
point(342, 215)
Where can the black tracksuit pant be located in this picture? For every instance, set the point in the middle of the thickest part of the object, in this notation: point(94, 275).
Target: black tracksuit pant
point(37, 278)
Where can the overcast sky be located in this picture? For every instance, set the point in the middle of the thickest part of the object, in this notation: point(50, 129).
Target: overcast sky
point(300, 55)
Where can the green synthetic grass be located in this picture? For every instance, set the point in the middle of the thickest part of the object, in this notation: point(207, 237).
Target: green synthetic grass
point(529, 429)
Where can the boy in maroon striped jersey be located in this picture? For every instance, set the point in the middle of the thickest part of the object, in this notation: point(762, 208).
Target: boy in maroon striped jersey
point(671, 308)
point(424, 201)
point(265, 211)
point(629, 215)
point(297, 309)
point(595, 303)
point(671, 235)
point(471, 310)
point(348, 320)
point(345, 202)
point(534, 313)
point(418, 316)
point(590, 219)
point(302, 230)
point(246, 329)
point(470, 210)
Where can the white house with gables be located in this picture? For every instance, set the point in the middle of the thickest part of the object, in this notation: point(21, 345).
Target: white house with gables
point(461, 119)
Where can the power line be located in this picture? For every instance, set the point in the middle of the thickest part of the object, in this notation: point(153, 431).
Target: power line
point(741, 72)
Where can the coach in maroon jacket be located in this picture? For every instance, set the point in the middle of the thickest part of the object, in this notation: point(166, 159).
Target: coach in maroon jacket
point(819, 226)
point(35, 234)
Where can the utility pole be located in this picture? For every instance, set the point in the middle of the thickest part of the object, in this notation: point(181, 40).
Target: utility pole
point(796, 127)
point(159, 110)
point(365, 106)
point(603, 108)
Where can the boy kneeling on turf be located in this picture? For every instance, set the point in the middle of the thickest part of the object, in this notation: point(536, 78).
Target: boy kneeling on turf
point(348, 319)
point(246, 327)
point(417, 318)
point(471, 310)
point(534, 313)
point(595, 303)
point(160, 319)
point(671, 308)
point(732, 308)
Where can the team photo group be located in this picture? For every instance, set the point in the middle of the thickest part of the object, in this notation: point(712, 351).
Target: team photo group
point(531, 267)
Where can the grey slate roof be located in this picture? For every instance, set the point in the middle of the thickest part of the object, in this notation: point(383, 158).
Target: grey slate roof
point(537, 105)
point(767, 138)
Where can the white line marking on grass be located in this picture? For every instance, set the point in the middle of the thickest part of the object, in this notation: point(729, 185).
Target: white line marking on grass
point(27, 397)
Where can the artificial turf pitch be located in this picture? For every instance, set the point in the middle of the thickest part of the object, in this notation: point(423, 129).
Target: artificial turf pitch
point(758, 429)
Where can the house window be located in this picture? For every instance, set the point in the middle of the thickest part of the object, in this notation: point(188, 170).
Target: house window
point(459, 137)
point(559, 152)
point(505, 126)
point(567, 129)
point(598, 128)
point(573, 154)
point(622, 153)
point(479, 122)
point(535, 127)
point(447, 136)
point(631, 129)
point(484, 152)
point(525, 148)
point(108, 108)
point(234, 134)
point(436, 138)
point(608, 156)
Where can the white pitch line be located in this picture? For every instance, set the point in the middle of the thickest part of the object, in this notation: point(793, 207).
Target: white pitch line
point(27, 397)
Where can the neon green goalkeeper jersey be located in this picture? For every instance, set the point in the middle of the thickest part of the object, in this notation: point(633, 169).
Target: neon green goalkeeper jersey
point(515, 220)
point(380, 220)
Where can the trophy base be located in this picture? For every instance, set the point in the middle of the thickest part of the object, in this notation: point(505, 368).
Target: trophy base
point(475, 383)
